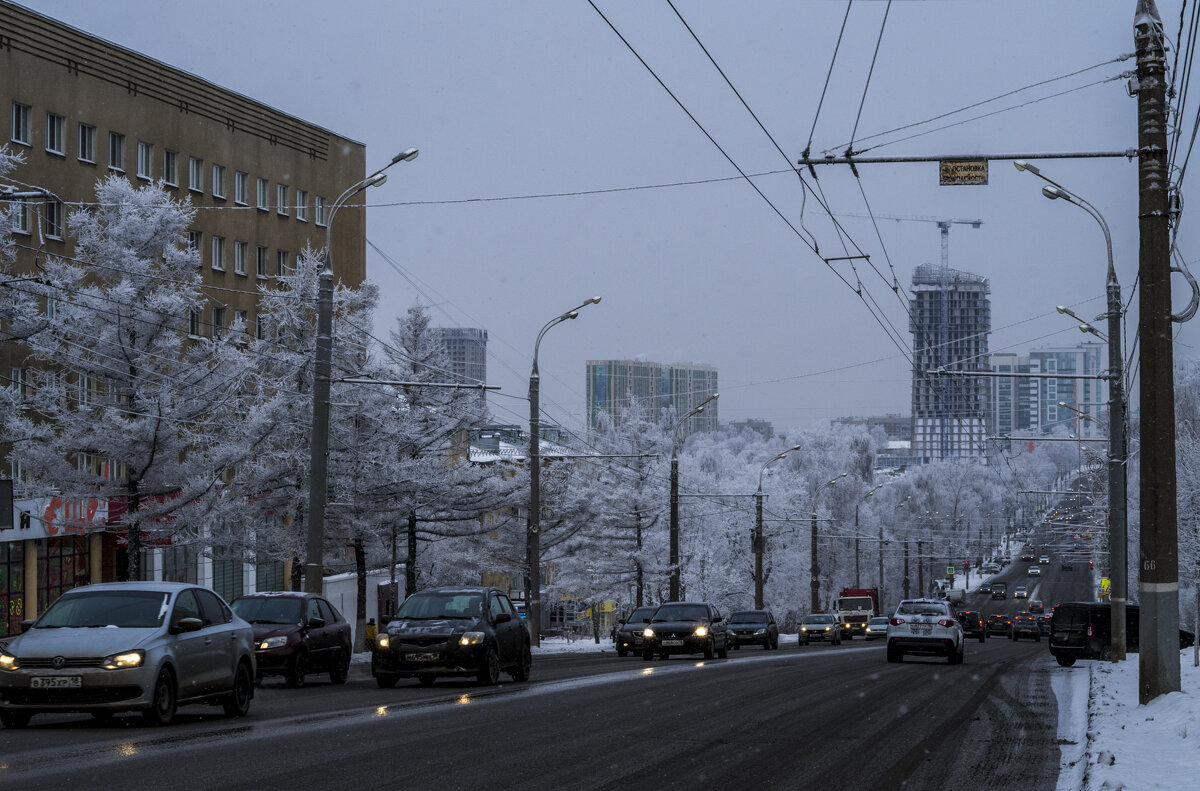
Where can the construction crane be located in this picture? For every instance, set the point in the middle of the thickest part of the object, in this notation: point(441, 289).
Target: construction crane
point(942, 223)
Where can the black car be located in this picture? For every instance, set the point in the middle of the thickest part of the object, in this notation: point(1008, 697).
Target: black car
point(972, 624)
point(296, 634)
point(686, 628)
point(999, 590)
point(1025, 623)
point(1083, 630)
point(753, 627)
point(627, 637)
point(469, 631)
point(999, 624)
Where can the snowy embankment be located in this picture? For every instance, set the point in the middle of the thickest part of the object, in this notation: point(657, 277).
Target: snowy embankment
point(1115, 743)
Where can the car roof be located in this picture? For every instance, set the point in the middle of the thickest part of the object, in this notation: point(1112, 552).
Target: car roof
point(278, 595)
point(157, 587)
point(460, 589)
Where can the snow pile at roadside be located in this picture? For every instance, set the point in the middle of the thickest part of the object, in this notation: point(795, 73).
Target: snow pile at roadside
point(1142, 747)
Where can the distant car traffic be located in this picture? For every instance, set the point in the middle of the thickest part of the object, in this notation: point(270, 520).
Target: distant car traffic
point(466, 631)
point(999, 624)
point(1044, 622)
point(628, 637)
point(1019, 592)
point(1044, 559)
point(991, 568)
point(924, 627)
point(972, 624)
point(296, 634)
point(753, 627)
point(1028, 557)
point(820, 626)
point(877, 627)
point(686, 628)
point(1034, 571)
point(1066, 565)
point(984, 588)
point(1025, 623)
point(1036, 606)
point(129, 646)
point(999, 590)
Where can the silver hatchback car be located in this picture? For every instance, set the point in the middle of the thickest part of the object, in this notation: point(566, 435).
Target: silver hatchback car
point(128, 646)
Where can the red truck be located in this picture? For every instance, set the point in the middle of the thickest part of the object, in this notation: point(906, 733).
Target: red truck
point(856, 606)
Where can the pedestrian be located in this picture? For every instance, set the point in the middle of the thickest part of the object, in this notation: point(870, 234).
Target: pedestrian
point(370, 633)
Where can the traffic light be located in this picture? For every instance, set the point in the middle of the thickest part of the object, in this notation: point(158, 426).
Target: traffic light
point(966, 565)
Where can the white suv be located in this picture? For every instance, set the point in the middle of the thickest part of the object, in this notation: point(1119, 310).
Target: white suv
point(927, 627)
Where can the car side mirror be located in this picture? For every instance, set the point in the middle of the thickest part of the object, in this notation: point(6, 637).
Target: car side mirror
point(503, 617)
point(26, 625)
point(187, 625)
point(316, 623)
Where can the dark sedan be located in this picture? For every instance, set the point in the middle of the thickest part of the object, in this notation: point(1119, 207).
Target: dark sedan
point(1026, 623)
point(972, 624)
point(753, 627)
point(686, 628)
point(628, 634)
point(296, 634)
point(469, 631)
point(999, 624)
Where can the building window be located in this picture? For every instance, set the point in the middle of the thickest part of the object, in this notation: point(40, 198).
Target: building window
point(171, 168)
point(194, 322)
point(116, 151)
point(239, 187)
point(260, 326)
point(87, 143)
point(218, 186)
point(263, 196)
point(260, 261)
point(301, 205)
point(218, 253)
point(195, 174)
point(218, 322)
point(194, 239)
point(281, 263)
point(54, 133)
point(19, 219)
point(319, 210)
point(281, 199)
point(145, 154)
point(239, 257)
point(242, 317)
point(21, 131)
point(51, 307)
point(54, 219)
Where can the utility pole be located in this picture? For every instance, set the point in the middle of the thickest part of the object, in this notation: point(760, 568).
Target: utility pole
point(814, 580)
point(1117, 508)
point(1158, 665)
point(906, 593)
point(920, 568)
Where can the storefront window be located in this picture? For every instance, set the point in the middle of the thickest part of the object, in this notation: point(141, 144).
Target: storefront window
point(63, 566)
point(12, 587)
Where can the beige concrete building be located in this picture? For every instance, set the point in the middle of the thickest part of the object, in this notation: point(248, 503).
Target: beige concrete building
point(263, 181)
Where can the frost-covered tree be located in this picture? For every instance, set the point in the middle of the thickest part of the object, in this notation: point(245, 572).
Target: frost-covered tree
point(124, 404)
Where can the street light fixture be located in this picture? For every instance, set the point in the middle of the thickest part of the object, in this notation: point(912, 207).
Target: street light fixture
point(758, 529)
point(814, 581)
point(673, 592)
point(861, 500)
point(1116, 417)
point(533, 549)
point(314, 562)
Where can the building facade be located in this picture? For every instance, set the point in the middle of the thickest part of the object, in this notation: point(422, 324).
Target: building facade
point(1025, 406)
point(678, 387)
point(950, 320)
point(263, 183)
point(466, 354)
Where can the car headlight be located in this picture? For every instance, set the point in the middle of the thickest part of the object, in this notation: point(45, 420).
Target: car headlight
point(125, 660)
point(760, 631)
point(272, 642)
point(382, 641)
point(471, 638)
point(804, 628)
point(647, 632)
point(701, 631)
point(827, 628)
point(8, 661)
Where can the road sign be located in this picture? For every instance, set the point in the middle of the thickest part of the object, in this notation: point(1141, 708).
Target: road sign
point(955, 172)
point(950, 570)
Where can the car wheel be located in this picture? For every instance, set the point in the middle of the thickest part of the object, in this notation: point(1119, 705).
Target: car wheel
point(803, 642)
point(521, 671)
point(1013, 637)
point(163, 703)
point(339, 667)
point(647, 653)
point(297, 669)
point(737, 646)
point(724, 652)
point(622, 652)
point(837, 640)
point(895, 656)
point(14, 719)
point(982, 638)
point(767, 644)
point(237, 703)
point(1037, 638)
point(957, 657)
point(489, 671)
point(849, 635)
point(775, 644)
point(385, 680)
point(426, 679)
point(708, 649)
point(664, 654)
point(1065, 661)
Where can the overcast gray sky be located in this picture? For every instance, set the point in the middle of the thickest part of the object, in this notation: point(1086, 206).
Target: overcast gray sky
point(512, 99)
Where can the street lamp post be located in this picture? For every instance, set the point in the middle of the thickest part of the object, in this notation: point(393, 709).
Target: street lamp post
point(673, 531)
point(533, 549)
point(814, 581)
point(758, 529)
point(857, 577)
point(1117, 525)
point(899, 505)
point(314, 563)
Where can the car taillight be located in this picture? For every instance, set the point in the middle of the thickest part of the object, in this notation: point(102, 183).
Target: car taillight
point(946, 622)
point(896, 621)
point(1090, 631)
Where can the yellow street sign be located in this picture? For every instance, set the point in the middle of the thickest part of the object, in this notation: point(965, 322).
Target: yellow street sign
point(954, 172)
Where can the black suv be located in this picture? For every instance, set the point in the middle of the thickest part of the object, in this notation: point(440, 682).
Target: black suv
point(999, 590)
point(1025, 623)
point(296, 634)
point(465, 631)
point(628, 635)
point(972, 624)
point(686, 628)
point(1082, 630)
point(753, 627)
point(999, 624)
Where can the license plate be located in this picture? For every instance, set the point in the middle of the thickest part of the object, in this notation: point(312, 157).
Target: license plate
point(56, 682)
point(922, 628)
point(422, 657)
point(672, 643)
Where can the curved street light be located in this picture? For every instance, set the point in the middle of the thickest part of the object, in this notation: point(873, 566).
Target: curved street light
point(814, 581)
point(758, 528)
point(673, 592)
point(533, 548)
point(314, 562)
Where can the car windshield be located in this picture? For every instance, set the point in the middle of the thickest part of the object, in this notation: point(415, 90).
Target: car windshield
point(921, 608)
point(748, 617)
point(881, 621)
point(818, 619)
point(269, 609)
point(428, 606)
point(641, 614)
point(122, 609)
point(681, 612)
